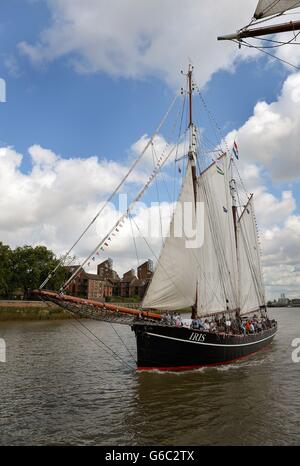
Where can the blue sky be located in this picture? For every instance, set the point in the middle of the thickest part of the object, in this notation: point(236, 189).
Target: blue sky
point(79, 115)
point(103, 111)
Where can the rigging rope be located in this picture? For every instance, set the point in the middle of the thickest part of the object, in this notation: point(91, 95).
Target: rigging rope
point(61, 262)
point(104, 347)
point(279, 43)
point(261, 49)
point(121, 220)
point(134, 242)
point(123, 342)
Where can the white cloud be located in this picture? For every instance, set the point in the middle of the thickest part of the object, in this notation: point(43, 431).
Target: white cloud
point(282, 258)
point(289, 53)
point(57, 198)
point(279, 233)
point(271, 136)
point(53, 202)
point(269, 143)
point(133, 38)
point(12, 66)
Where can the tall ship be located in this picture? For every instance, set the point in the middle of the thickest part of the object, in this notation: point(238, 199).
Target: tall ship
point(215, 272)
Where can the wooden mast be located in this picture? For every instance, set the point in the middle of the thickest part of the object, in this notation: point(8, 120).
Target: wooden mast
point(192, 154)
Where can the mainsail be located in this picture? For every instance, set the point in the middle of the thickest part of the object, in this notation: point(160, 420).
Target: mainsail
point(173, 285)
point(271, 7)
point(217, 271)
point(225, 272)
point(250, 275)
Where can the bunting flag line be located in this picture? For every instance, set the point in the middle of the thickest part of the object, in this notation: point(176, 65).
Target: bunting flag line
point(122, 221)
point(235, 150)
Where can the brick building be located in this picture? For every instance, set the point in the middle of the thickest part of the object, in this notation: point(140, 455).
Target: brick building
point(91, 286)
point(107, 283)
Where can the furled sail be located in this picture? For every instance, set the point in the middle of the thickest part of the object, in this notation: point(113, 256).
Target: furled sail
point(173, 285)
point(250, 275)
point(271, 7)
point(217, 267)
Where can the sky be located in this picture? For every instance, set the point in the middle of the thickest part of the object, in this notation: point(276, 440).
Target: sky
point(87, 83)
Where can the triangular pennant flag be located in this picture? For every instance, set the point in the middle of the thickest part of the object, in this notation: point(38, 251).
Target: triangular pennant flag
point(235, 150)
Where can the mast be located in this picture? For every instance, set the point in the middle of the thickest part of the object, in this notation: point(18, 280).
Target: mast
point(192, 156)
point(232, 187)
point(192, 153)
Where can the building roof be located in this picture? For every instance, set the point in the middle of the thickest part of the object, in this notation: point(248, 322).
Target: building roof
point(113, 280)
point(93, 276)
point(138, 282)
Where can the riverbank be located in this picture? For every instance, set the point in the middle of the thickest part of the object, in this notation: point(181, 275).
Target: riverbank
point(31, 310)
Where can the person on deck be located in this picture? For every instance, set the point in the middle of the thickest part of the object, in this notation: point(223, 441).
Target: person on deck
point(242, 327)
point(178, 321)
point(206, 325)
point(228, 325)
point(212, 326)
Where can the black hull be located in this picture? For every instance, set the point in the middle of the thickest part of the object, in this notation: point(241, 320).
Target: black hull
point(171, 348)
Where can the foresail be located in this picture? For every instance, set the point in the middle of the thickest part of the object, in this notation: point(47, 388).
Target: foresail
point(217, 268)
point(271, 7)
point(250, 276)
point(173, 285)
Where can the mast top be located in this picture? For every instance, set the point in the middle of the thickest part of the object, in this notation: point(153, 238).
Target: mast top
point(190, 91)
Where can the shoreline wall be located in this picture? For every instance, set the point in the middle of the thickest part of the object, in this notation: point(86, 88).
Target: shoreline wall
point(31, 310)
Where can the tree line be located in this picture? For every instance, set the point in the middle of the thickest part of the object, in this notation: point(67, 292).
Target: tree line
point(24, 269)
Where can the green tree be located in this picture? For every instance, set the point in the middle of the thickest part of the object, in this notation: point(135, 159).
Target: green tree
point(5, 270)
point(30, 267)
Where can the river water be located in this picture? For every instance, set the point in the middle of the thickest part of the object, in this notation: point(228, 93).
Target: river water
point(59, 388)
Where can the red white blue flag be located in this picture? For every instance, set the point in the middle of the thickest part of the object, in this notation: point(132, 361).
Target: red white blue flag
point(235, 150)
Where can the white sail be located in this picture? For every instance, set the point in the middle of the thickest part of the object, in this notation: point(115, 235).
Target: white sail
point(271, 7)
point(250, 276)
point(217, 268)
point(173, 285)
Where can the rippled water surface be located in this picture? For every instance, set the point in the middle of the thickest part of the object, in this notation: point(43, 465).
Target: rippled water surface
point(59, 388)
